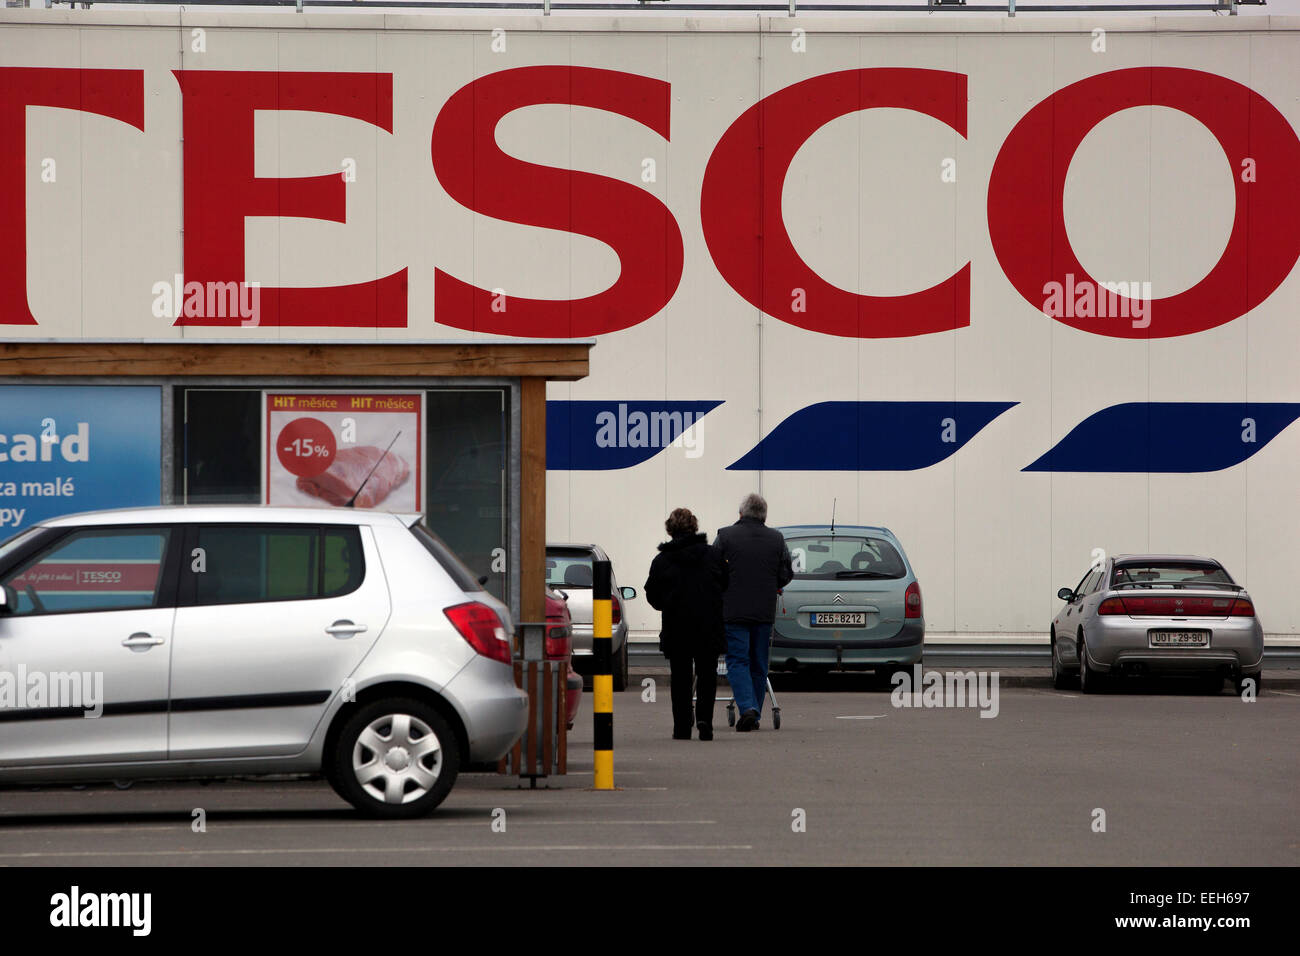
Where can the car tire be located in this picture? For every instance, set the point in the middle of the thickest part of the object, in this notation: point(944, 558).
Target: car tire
point(620, 668)
point(373, 760)
point(1239, 683)
point(1090, 681)
point(1060, 679)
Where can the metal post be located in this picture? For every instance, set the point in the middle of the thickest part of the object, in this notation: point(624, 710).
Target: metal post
point(1011, 8)
point(602, 681)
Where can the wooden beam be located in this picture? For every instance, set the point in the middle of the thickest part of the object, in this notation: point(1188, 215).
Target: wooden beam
point(532, 500)
point(561, 361)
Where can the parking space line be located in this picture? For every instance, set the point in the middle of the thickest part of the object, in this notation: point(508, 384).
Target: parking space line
point(352, 850)
point(861, 717)
point(1285, 693)
point(216, 825)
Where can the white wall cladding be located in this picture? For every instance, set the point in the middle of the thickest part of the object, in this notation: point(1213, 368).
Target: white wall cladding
point(1149, 196)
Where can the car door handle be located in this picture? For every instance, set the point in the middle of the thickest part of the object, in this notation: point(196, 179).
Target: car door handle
point(142, 640)
point(344, 629)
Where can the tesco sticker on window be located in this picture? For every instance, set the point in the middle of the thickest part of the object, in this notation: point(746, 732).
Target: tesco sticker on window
point(346, 449)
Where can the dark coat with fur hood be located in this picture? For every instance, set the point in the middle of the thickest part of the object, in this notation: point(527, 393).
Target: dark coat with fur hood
point(686, 582)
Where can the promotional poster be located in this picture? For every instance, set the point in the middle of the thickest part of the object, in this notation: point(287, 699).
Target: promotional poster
point(344, 449)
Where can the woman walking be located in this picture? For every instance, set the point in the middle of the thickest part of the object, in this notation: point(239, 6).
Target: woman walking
point(687, 578)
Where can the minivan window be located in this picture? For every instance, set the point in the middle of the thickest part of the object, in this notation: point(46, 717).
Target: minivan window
point(251, 564)
point(92, 569)
point(825, 557)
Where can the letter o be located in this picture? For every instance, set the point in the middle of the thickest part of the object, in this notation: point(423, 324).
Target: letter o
point(1027, 189)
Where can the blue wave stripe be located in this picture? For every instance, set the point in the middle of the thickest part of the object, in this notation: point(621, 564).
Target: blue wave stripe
point(869, 436)
point(602, 436)
point(1179, 437)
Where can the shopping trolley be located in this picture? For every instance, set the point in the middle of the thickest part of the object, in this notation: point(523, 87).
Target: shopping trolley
point(731, 700)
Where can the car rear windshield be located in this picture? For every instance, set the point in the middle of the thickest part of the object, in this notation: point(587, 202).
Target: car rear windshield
point(1157, 574)
point(830, 557)
point(453, 565)
point(568, 567)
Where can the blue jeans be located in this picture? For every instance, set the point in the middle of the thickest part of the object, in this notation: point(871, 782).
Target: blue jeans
point(748, 646)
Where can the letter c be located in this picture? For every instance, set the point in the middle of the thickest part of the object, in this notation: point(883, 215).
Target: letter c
point(740, 205)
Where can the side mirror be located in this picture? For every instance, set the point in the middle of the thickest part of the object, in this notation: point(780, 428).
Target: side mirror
point(628, 593)
point(1065, 594)
point(483, 580)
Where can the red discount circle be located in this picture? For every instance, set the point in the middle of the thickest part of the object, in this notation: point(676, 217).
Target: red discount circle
point(305, 447)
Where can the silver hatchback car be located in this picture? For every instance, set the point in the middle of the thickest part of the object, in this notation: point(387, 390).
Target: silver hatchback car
point(1156, 614)
point(205, 641)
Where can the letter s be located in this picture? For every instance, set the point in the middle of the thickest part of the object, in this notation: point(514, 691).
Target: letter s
point(635, 224)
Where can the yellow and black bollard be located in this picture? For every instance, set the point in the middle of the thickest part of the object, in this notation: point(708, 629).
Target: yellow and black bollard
point(602, 681)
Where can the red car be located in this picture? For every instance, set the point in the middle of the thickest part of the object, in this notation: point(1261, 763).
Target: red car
point(559, 647)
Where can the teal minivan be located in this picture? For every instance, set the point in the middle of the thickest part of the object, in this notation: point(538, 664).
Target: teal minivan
point(854, 603)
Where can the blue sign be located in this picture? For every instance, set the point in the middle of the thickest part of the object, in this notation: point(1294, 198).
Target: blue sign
point(70, 448)
point(869, 436)
point(1168, 437)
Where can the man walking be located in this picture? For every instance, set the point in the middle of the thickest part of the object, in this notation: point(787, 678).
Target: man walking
point(759, 564)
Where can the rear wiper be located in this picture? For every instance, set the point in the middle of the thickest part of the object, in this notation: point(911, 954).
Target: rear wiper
point(862, 574)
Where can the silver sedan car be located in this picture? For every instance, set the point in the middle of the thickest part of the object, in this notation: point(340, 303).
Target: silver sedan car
point(568, 569)
point(1156, 614)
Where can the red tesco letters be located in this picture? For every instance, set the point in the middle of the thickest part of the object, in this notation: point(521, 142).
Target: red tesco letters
point(740, 202)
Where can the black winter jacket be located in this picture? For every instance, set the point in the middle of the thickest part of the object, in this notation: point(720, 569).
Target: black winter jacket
point(759, 563)
point(687, 578)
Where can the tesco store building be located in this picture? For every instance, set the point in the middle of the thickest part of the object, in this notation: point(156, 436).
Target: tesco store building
point(1016, 289)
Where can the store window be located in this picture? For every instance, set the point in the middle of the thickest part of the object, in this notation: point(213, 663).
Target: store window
point(441, 452)
point(468, 505)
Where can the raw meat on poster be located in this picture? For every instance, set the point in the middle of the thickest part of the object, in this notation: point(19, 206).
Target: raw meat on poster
point(345, 474)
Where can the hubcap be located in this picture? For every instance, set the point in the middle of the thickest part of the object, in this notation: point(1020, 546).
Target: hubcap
point(397, 758)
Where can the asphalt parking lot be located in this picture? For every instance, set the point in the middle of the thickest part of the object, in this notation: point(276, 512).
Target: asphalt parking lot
point(1182, 778)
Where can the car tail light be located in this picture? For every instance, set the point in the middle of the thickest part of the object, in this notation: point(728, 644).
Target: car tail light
point(1164, 605)
point(1112, 606)
point(557, 639)
point(912, 600)
point(616, 611)
point(1242, 608)
point(482, 629)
